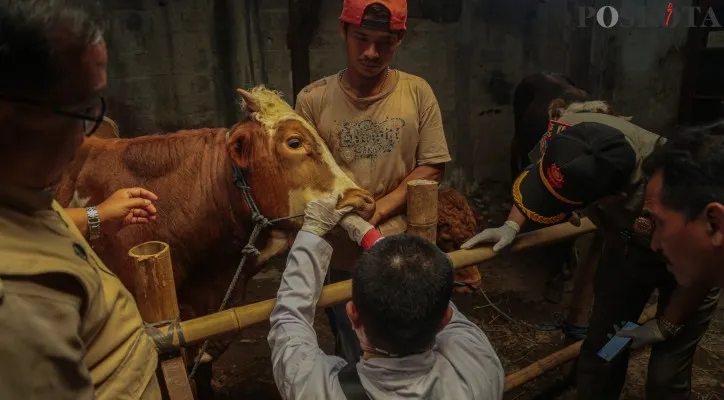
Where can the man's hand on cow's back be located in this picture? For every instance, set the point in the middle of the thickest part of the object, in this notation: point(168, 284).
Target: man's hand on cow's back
point(128, 206)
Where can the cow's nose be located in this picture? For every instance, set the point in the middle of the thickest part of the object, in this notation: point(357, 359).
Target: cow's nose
point(361, 201)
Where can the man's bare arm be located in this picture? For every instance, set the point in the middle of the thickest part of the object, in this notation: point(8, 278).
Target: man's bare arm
point(395, 202)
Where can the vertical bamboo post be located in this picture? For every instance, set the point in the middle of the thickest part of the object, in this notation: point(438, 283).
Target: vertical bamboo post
point(156, 299)
point(422, 209)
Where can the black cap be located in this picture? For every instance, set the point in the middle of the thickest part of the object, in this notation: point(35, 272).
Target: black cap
point(581, 165)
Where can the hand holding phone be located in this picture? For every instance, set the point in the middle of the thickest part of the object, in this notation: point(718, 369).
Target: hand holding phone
point(617, 344)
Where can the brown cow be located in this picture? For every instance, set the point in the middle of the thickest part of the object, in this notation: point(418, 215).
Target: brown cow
point(201, 214)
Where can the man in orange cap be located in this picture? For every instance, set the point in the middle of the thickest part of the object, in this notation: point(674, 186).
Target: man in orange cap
point(383, 127)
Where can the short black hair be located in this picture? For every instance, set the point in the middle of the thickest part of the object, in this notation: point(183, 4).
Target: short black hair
point(401, 288)
point(692, 163)
point(34, 37)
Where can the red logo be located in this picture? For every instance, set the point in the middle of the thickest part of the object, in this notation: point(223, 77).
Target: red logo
point(554, 175)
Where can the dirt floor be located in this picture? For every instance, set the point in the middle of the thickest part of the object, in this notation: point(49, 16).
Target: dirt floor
point(516, 284)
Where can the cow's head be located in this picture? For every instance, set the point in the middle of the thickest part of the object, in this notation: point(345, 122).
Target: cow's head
point(283, 157)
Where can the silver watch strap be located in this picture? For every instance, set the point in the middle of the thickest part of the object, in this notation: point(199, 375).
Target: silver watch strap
point(94, 223)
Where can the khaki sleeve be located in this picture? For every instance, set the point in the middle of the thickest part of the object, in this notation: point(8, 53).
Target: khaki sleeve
point(432, 147)
point(40, 346)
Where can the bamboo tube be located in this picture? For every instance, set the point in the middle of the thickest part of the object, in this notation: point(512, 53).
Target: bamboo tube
point(562, 356)
point(238, 318)
point(422, 209)
point(156, 299)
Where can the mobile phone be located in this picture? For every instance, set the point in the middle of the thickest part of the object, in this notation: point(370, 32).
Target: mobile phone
point(617, 343)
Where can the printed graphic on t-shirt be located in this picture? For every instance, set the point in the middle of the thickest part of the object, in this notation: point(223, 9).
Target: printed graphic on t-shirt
point(368, 139)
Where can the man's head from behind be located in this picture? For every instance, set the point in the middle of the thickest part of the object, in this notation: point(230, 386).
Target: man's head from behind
point(372, 31)
point(685, 197)
point(52, 68)
point(401, 291)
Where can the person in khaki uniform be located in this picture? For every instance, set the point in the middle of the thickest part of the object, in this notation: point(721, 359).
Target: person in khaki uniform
point(383, 127)
point(595, 160)
point(70, 330)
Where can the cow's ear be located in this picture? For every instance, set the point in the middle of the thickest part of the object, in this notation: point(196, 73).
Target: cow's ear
point(238, 148)
point(555, 108)
point(250, 104)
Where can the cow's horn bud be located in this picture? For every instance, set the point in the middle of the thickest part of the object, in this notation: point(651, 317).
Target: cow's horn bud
point(250, 102)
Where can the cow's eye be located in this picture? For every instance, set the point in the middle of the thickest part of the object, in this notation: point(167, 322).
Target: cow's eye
point(294, 143)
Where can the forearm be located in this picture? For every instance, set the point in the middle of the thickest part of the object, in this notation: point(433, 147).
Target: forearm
point(516, 216)
point(79, 216)
point(395, 202)
point(684, 302)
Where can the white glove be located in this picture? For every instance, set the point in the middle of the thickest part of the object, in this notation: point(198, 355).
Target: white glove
point(321, 215)
point(502, 236)
point(646, 334)
point(356, 227)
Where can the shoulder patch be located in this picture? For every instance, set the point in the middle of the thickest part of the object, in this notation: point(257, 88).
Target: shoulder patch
point(315, 85)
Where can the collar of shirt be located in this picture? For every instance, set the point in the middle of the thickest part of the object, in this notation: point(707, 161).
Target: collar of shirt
point(25, 200)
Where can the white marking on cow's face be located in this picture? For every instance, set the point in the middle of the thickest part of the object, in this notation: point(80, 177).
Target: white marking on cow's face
point(272, 110)
point(77, 201)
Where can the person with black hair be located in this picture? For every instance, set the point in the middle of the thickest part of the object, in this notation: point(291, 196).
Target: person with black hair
point(70, 329)
point(685, 201)
point(383, 127)
point(416, 344)
point(594, 161)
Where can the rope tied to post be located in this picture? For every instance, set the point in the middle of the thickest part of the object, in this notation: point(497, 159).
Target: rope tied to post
point(260, 222)
point(164, 342)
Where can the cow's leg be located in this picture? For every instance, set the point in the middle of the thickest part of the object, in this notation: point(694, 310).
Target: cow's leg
point(277, 244)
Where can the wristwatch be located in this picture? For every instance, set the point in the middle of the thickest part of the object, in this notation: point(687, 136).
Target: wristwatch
point(94, 223)
point(667, 328)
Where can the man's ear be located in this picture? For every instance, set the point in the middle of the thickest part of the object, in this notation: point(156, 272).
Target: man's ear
point(238, 148)
point(715, 221)
point(400, 36)
point(353, 314)
point(446, 318)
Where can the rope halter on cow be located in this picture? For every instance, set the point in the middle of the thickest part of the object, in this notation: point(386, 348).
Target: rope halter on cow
point(260, 222)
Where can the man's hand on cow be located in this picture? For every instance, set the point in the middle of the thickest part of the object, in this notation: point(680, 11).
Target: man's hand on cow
point(126, 207)
point(321, 215)
point(376, 219)
point(502, 236)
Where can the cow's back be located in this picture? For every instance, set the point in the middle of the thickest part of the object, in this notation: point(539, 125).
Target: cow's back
point(180, 173)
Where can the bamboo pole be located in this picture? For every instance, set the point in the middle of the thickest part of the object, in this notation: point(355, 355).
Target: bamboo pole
point(156, 299)
point(560, 357)
point(422, 209)
point(238, 318)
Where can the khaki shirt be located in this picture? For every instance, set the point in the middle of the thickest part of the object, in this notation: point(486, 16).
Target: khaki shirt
point(377, 140)
point(70, 329)
point(621, 215)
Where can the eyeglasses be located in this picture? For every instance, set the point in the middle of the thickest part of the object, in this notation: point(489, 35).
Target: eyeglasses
point(92, 118)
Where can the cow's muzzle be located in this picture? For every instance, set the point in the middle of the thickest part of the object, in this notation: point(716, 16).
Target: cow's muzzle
point(361, 201)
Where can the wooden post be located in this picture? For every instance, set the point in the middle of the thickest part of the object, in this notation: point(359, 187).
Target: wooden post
point(422, 209)
point(156, 299)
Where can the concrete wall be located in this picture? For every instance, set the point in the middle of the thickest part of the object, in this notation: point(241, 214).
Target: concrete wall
point(173, 65)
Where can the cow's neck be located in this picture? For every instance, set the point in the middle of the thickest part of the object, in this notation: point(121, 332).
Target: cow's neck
point(235, 212)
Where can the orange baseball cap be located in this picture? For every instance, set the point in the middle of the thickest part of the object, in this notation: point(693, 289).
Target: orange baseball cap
point(353, 11)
